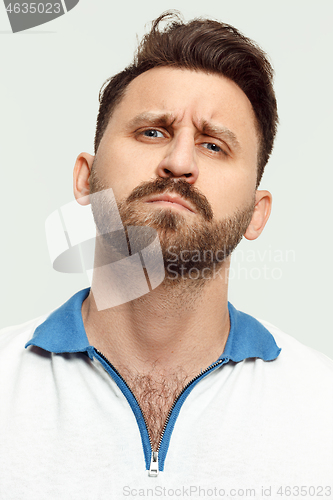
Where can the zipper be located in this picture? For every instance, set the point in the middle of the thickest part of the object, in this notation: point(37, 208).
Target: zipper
point(153, 469)
point(154, 455)
point(154, 459)
point(134, 397)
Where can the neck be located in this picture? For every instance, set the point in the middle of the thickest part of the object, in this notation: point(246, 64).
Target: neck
point(183, 327)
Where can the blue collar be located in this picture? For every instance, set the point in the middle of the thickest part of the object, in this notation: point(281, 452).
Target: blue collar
point(63, 331)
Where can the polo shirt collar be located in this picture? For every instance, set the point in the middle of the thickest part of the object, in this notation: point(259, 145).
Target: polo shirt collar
point(63, 331)
point(248, 338)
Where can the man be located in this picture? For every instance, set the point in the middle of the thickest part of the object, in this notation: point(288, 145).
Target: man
point(178, 382)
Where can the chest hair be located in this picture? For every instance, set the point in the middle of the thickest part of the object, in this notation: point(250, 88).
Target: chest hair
point(155, 396)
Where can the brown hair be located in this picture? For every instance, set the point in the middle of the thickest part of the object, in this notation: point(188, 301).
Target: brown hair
point(207, 45)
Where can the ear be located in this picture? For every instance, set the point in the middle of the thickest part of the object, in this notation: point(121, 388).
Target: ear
point(81, 176)
point(262, 210)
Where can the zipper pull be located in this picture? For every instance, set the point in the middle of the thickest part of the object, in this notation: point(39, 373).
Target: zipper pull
point(153, 471)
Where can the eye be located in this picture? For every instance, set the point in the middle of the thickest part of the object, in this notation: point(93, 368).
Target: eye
point(213, 147)
point(152, 133)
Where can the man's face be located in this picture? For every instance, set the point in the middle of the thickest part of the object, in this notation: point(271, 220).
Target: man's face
point(191, 135)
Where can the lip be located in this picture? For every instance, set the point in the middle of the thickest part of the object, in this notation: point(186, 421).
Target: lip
point(172, 200)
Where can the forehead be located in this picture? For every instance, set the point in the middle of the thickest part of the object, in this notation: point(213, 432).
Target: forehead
point(190, 97)
point(171, 83)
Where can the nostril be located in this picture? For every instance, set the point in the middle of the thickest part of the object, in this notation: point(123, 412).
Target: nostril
point(169, 173)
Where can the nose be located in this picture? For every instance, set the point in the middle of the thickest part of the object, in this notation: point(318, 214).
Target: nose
point(179, 160)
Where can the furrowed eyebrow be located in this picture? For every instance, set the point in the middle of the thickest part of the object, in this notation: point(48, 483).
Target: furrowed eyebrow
point(221, 132)
point(151, 119)
point(167, 119)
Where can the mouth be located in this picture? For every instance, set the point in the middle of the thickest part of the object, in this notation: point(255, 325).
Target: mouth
point(169, 201)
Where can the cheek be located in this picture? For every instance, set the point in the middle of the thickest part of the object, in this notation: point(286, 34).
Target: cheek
point(231, 192)
point(122, 168)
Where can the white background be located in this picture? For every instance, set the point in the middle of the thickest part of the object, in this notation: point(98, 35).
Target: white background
point(50, 78)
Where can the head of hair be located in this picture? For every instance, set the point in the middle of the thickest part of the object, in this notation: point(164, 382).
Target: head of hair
point(209, 46)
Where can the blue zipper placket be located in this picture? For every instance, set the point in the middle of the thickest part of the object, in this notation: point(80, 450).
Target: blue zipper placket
point(155, 459)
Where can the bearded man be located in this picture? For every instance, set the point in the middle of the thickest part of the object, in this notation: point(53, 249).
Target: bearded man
point(176, 382)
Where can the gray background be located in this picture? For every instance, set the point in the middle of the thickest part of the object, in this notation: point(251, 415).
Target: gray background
point(50, 78)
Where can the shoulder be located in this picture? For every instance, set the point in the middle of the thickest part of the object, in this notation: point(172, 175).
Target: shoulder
point(17, 363)
point(15, 337)
point(298, 356)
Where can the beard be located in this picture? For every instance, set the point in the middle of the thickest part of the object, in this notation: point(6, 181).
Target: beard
point(192, 250)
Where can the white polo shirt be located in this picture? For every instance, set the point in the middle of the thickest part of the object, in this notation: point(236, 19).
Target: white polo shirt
point(257, 423)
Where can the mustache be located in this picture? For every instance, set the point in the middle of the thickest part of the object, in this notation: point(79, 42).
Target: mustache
point(180, 187)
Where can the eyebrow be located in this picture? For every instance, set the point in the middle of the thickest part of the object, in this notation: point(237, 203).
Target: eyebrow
point(167, 119)
point(220, 132)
